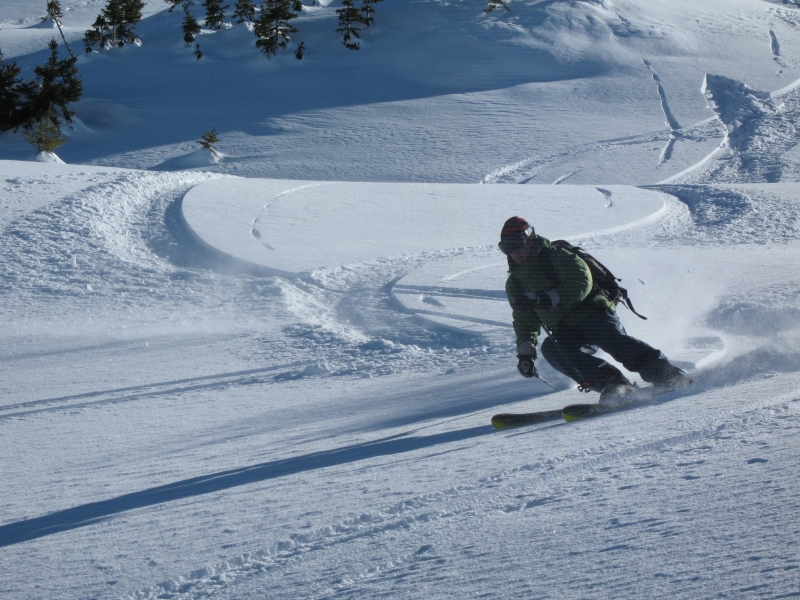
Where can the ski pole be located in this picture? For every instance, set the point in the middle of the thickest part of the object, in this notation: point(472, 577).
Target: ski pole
point(548, 383)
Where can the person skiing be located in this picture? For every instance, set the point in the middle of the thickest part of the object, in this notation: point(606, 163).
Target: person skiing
point(552, 287)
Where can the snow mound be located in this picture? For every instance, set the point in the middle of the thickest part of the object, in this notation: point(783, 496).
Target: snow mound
point(47, 24)
point(736, 105)
point(761, 135)
point(298, 226)
point(48, 157)
point(194, 160)
point(737, 214)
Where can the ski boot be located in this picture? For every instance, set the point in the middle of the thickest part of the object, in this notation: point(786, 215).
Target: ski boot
point(671, 379)
point(617, 390)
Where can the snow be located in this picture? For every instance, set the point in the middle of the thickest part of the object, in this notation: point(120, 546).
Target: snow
point(48, 157)
point(303, 225)
point(269, 373)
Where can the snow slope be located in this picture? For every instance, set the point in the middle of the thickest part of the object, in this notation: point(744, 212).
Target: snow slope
point(439, 92)
point(219, 387)
point(182, 429)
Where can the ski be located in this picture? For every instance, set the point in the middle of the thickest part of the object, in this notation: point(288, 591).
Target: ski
point(508, 420)
point(576, 412)
point(573, 412)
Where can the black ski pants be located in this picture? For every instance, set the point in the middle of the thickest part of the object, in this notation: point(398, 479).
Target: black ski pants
point(572, 352)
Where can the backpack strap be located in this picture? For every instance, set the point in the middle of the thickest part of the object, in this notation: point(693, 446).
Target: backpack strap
point(627, 301)
point(550, 270)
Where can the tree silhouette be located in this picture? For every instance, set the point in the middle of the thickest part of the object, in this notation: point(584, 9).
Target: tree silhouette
point(46, 135)
point(349, 18)
point(115, 25)
point(55, 14)
point(272, 28)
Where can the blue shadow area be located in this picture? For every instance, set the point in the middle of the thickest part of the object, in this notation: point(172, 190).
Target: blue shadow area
point(95, 512)
point(420, 51)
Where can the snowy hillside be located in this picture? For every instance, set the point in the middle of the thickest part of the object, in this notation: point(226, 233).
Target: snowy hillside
point(272, 376)
point(439, 91)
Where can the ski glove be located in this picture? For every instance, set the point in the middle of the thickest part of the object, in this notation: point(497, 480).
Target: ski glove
point(526, 356)
point(544, 301)
point(547, 300)
point(525, 366)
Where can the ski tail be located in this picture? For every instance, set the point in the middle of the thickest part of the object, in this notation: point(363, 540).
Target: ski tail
point(509, 420)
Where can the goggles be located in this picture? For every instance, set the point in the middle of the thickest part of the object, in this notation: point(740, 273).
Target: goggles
point(514, 242)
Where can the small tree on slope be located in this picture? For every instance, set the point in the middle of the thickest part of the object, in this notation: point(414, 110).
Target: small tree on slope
point(55, 14)
point(215, 13)
point(57, 85)
point(190, 27)
point(367, 10)
point(349, 17)
point(45, 136)
point(209, 139)
point(12, 96)
point(272, 28)
point(244, 10)
point(115, 25)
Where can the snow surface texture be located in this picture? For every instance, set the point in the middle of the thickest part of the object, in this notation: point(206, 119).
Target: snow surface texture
point(439, 91)
point(216, 387)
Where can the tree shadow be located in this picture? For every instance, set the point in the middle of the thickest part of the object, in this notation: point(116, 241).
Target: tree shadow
point(95, 512)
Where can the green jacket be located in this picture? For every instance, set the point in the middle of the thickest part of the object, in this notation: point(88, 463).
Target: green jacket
point(574, 286)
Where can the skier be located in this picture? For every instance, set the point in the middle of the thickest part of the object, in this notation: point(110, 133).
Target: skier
point(553, 288)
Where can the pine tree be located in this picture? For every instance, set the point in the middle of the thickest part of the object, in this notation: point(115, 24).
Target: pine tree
point(190, 27)
point(46, 135)
point(495, 4)
point(133, 13)
point(12, 96)
point(209, 139)
point(215, 13)
point(272, 28)
point(57, 85)
point(55, 14)
point(301, 48)
point(115, 25)
point(367, 10)
point(245, 10)
point(349, 17)
point(174, 3)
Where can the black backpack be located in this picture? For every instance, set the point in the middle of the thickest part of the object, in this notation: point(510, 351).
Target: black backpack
point(604, 281)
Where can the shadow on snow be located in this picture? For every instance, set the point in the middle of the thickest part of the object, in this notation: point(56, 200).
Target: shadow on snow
point(95, 512)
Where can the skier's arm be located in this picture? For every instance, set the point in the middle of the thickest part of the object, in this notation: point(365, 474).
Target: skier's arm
point(526, 323)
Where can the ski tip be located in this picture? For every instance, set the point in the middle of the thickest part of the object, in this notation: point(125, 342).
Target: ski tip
point(501, 422)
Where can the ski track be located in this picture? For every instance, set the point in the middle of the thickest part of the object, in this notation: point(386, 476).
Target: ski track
point(672, 122)
point(525, 170)
point(518, 489)
point(776, 49)
point(254, 231)
point(760, 133)
point(116, 248)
